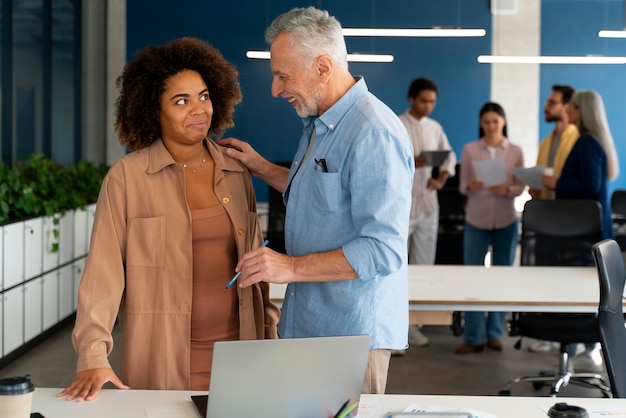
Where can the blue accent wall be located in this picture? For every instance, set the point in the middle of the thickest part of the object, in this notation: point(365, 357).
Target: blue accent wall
point(569, 27)
point(271, 125)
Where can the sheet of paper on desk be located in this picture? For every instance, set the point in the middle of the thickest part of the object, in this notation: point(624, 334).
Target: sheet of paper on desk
point(435, 157)
point(369, 406)
point(491, 171)
point(420, 408)
point(530, 176)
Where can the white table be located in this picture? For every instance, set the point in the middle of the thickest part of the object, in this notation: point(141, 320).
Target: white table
point(142, 403)
point(504, 288)
point(497, 288)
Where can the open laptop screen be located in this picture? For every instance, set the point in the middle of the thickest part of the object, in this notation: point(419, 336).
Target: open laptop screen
point(286, 378)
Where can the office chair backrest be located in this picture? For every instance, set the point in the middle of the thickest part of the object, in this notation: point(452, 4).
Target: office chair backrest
point(611, 275)
point(275, 233)
point(618, 203)
point(451, 202)
point(560, 232)
point(451, 220)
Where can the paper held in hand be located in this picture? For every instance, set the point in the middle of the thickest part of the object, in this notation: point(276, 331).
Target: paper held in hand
point(491, 171)
point(435, 157)
point(530, 176)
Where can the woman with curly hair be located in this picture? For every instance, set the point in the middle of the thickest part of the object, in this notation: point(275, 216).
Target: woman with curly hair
point(172, 220)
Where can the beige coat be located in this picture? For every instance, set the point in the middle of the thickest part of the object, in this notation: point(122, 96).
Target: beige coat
point(140, 268)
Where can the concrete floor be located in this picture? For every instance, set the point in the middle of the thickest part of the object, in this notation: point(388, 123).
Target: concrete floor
point(434, 369)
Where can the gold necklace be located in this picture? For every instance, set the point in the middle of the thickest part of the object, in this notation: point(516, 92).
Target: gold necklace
point(200, 165)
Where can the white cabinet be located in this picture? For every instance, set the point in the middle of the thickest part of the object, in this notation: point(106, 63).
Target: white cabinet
point(41, 266)
point(50, 244)
point(91, 213)
point(79, 266)
point(66, 237)
point(50, 299)
point(1, 325)
point(13, 319)
point(80, 232)
point(13, 270)
point(33, 248)
point(66, 291)
point(33, 299)
point(1, 268)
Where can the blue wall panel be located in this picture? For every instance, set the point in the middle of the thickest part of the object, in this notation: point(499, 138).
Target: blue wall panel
point(570, 27)
point(271, 125)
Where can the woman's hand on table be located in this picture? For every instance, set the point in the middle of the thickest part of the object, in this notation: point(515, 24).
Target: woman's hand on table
point(88, 383)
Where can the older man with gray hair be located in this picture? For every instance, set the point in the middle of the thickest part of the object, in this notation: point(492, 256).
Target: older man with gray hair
point(347, 196)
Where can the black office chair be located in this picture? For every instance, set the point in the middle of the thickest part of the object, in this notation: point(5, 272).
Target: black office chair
point(276, 218)
point(559, 233)
point(451, 221)
point(611, 274)
point(450, 232)
point(276, 221)
point(618, 211)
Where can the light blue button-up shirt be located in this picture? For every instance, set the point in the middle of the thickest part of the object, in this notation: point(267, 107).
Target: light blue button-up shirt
point(361, 205)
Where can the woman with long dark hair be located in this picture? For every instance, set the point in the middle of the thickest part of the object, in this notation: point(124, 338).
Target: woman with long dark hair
point(490, 218)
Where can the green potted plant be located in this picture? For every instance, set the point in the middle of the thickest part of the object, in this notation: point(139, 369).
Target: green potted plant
point(38, 186)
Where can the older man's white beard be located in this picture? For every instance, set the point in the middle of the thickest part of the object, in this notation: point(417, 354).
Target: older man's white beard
point(309, 108)
point(305, 112)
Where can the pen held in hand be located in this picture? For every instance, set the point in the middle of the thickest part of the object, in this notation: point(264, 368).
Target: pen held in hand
point(345, 409)
point(234, 279)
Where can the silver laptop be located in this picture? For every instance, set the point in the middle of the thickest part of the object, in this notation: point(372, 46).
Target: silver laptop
point(287, 378)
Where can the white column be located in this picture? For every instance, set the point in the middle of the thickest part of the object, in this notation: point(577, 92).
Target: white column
point(516, 86)
point(116, 59)
point(94, 82)
point(104, 54)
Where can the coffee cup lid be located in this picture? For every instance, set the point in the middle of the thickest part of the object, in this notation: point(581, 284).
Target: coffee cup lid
point(563, 410)
point(17, 385)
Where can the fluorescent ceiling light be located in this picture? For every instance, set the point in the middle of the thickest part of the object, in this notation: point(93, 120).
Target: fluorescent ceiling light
point(612, 34)
point(265, 55)
point(517, 59)
point(433, 32)
point(370, 58)
point(259, 55)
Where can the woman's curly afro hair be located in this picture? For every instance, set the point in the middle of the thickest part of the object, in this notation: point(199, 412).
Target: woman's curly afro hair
point(143, 81)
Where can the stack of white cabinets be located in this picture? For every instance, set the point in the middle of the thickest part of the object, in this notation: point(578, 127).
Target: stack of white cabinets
point(39, 285)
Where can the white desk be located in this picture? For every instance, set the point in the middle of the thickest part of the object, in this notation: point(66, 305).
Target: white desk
point(504, 288)
point(135, 403)
point(499, 288)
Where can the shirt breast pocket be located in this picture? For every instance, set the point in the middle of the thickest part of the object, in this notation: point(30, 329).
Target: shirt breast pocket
point(145, 242)
point(327, 193)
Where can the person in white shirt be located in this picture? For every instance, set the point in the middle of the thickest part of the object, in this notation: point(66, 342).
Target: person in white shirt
point(426, 135)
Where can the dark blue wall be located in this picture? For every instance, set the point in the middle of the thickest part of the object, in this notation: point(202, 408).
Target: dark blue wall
point(571, 28)
point(272, 127)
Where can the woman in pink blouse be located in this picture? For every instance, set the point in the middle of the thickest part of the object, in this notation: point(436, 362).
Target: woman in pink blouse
point(490, 217)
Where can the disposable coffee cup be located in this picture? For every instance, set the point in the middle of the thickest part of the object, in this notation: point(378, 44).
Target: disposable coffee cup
point(548, 171)
point(16, 396)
